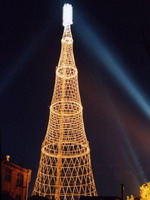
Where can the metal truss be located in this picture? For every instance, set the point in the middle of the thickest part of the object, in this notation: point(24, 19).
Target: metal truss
point(65, 170)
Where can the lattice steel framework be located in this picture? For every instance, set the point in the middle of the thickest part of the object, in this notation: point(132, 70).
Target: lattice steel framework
point(65, 170)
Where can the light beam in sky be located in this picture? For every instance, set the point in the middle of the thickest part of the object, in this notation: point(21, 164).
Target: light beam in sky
point(25, 55)
point(99, 49)
point(129, 152)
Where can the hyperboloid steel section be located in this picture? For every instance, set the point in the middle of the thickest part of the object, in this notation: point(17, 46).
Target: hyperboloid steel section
point(65, 170)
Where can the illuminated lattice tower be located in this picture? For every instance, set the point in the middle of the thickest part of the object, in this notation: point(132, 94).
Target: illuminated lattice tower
point(65, 170)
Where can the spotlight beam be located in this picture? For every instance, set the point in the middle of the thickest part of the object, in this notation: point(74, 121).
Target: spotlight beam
point(25, 55)
point(99, 49)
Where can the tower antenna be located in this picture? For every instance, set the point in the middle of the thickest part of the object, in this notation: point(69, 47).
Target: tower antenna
point(67, 15)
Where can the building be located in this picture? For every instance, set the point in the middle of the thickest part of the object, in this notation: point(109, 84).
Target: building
point(14, 180)
point(65, 170)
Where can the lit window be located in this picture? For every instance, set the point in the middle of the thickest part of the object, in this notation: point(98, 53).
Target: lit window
point(7, 174)
point(19, 179)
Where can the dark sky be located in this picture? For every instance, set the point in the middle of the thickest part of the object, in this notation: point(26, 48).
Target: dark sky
point(112, 52)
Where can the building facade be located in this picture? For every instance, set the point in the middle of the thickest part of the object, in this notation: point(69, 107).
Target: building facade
point(14, 180)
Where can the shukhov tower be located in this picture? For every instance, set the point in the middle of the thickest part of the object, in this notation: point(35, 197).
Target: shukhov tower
point(65, 170)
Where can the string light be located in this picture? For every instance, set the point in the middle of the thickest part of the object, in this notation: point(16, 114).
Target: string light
point(65, 170)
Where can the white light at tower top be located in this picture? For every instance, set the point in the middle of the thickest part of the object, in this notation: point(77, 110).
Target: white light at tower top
point(67, 14)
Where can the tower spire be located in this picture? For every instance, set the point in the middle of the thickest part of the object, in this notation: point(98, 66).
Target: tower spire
point(66, 59)
point(65, 171)
point(67, 15)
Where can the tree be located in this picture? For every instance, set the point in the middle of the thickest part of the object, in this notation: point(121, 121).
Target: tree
point(145, 191)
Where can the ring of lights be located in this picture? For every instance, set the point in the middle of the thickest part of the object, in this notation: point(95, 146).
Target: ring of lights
point(66, 108)
point(66, 72)
point(52, 150)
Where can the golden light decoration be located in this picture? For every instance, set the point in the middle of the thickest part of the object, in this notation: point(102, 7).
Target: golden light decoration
point(65, 170)
point(145, 191)
point(130, 198)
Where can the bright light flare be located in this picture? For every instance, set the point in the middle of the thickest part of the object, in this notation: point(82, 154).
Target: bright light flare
point(67, 15)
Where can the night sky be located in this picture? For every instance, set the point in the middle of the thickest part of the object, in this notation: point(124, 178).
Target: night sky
point(112, 53)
